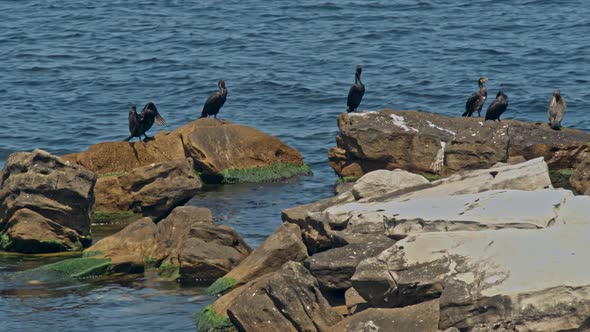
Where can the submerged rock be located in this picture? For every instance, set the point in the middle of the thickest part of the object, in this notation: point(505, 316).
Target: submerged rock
point(152, 190)
point(187, 245)
point(222, 152)
point(422, 142)
point(45, 203)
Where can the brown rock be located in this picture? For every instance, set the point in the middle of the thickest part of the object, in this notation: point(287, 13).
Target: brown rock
point(151, 190)
point(284, 245)
point(187, 241)
point(118, 157)
point(128, 248)
point(286, 300)
point(216, 145)
point(45, 203)
point(425, 142)
point(354, 301)
point(580, 178)
point(421, 317)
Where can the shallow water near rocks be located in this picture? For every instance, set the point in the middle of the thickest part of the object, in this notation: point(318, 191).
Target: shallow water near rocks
point(69, 70)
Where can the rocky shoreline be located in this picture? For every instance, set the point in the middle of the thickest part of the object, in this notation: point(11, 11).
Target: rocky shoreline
point(445, 223)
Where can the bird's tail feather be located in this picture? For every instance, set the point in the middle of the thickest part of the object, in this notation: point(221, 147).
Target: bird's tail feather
point(127, 139)
point(466, 113)
point(203, 115)
point(348, 109)
point(160, 120)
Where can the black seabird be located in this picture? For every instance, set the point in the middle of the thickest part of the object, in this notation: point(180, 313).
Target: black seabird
point(557, 106)
point(356, 92)
point(497, 107)
point(139, 124)
point(215, 101)
point(477, 99)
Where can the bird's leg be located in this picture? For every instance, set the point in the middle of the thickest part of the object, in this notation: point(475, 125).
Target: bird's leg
point(215, 115)
point(142, 142)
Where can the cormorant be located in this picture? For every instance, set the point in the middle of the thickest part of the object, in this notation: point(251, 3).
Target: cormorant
point(356, 92)
point(497, 107)
point(477, 99)
point(139, 124)
point(215, 101)
point(557, 108)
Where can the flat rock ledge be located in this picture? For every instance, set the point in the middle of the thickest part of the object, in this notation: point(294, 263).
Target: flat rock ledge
point(45, 204)
point(422, 142)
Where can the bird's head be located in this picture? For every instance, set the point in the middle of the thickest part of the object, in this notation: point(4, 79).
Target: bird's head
point(556, 93)
point(501, 94)
point(221, 84)
point(359, 69)
point(483, 80)
point(132, 108)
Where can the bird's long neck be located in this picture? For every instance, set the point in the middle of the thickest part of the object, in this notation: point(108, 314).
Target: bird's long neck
point(223, 91)
point(482, 89)
point(357, 78)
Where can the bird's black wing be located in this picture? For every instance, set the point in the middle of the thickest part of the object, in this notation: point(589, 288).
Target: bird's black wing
point(496, 109)
point(474, 103)
point(211, 103)
point(134, 121)
point(150, 110)
point(355, 96)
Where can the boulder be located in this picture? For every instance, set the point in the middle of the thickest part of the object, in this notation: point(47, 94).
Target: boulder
point(534, 279)
point(421, 317)
point(334, 268)
point(219, 145)
point(45, 203)
point(580, 178)
point(221, 150)
point(422, 142)
point(152, 190)
point(284, 245)
point(383, 181)
point(187, 245)
point(286, 300)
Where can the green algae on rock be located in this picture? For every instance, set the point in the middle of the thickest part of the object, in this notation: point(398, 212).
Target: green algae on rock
point(221, 286)
point(75, 268)
point(114, 217)
point(208, 320)
point(275, 172)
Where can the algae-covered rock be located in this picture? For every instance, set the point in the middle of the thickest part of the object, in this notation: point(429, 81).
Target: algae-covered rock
point(45, 203)
point(73, 268)
point(222, 152)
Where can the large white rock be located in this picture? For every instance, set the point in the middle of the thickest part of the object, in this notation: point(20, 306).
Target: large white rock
point(538, 280)
point(487, 210)
point(383, 181)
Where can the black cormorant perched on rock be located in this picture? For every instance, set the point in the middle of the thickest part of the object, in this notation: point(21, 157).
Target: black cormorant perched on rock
point(215, 101)
point(556, 111)
point(139, 124)
point(497, 107)
point(477, 99)
point(356, 92)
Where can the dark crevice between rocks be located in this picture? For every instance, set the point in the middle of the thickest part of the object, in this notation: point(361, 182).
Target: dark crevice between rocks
point(560, 178)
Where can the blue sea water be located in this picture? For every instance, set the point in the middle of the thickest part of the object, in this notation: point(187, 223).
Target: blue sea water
point(70, 69)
